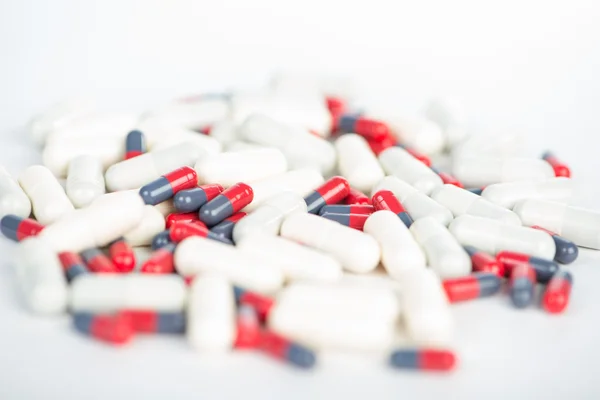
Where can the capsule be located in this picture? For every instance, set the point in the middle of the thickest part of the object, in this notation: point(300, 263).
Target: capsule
point(484, 171)
point(560, 169)
point(13, 199)
point(522, 285)
point(161, 261)
point(260, 302)
point(385, 200)
point(247, 328)
point(152, 223)
point(331, 192)
point(58, 116)
point(17, 228)
point(449, 114)
point(73, 265)
point(544, 269)
point(161, 240)
point(368, 128)
point(112, 328)
point(108, 125)
point(400, 163)
point(357, 163)
point(365, 209)
point(167, 185)
point(57, 155)
point(417, 132)
point(190, 200)
point(447, 178)
point(85, 180)
point(122, 255)
point(416, 154)
point(354, 221)
point(225, 228)
point(151, 321)
point(423, 359)
point(484, 262)
point(181, 230)
point(182, 217)
point(378, 146)
point(510, 193)
point(167, 136)
point(566, 251)
point(356, 197)
point(479, 284)
point(336, 107)
point(226, 204)
point(556, 295)
point(191, 114)
point(98, 262)
point(135, 144)
point(286, 350)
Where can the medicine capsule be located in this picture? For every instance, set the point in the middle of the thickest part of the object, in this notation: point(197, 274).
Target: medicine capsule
point(248, 330)
point(356, 197)
point(566, 251)
point(99, 124)
point(357, 163)
point(368, 128)
point(191, 114)
point(167, 185)
point(333, 191)
point(135, 144)
point(398, 162)
point(161, 261)
point(261, 303)
point(58, 116)
point(225, 228)
point(544, 269)
point(226, 204)
point(449, 114)
point(365, 209)
point(556, 295)
point(484, 262)
point(354, 221)
point(483, 171)
point(510, 193)
point(560, 169)
point(336, 107)
point(111, 328)
point(57, 155)
point(378, 146)
point(181, 230)
point(447, 178)
point(73, 265)
point(98, 262)
point(191, 200)
point(423, 359)
point(416, 154)
point(385, 200)
point(13, 199)
point(162, 239)
point(522, 285)
point(182, 217)
point(479, 284)
point(150, 321)
point(152, 223)
point(161, 137)
point(286, 350)
point(85, 180)
point(17, 228)
point(417, 132)
point(122, 255)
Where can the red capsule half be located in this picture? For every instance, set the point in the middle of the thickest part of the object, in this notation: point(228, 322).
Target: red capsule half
point(183, 217)
point(161, 261)
point(479, 284)
point(356, 197)
point(333, 191)
point(484, 262)
point(560, 168)
point(247, 328)
point(556, 295)
point(122, 255)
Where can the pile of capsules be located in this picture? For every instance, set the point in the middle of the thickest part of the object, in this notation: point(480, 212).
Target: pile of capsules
point(286, 221)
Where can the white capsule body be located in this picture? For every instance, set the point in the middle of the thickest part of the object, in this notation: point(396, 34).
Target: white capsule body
point(41, 277)
point(300, 147)
point(49, 200)
point(483, 171)
point(300, 181)
point(399, 250)
point(151, 224)
point(101, 125)
point(174, 136)
point(190, 115)
point(99, 293)
point(59, 116)
point(13, 199)
point(109, 217)
point(417, 204)
point(268, 217)
point(460, 201)
point(427, 315)
point(398, 162)
point(140, 170)
point(211, 314)
point(449, 114)
point(245, 166)
point(336, 316)
point(225, 132)
point(166, 207)
point(508, 194)
point(197, 255)
point(497, 145)
point(577, 224)
point(57, 155)
point(357, 163)
point(445, 255)
point(85, 180)
point(493, 236)
point(355, 250)
point(297, 262)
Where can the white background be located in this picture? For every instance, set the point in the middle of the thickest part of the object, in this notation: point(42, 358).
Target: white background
point(519, 66)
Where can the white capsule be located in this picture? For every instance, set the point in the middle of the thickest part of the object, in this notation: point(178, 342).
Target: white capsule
point(577, 224)
point(498, 145)
point(166, 207)
point(417, 132)
point(109, 217)
point(444, 254)
point(508, 194)
point(99, 293)
point(399, 250)
point(246, 166)
point(49, 200)
point(211, 314)
point(238, 145)
point(197, 255)
point(493, 236)
point(151, 224)
point(460, 201)
point(427, 315)
point(224, 132)
point(398, 162)
point(41, 277)
point(417, 204)
point(85, 180)
point(59, 116)
point(101, 125)
point(297, 262)
point(355, 250)
point(176, 136)
point(13, 199)
point(140, 170)
point(300, 147)
point(357, 163)
point(483, 171)
point(191, 115)
point(449, 114)
point(57, 155)
point(300, 181)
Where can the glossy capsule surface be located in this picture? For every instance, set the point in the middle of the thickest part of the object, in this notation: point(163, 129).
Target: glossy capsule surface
point(17, 228)
point(484, 262)
point(225, 228)
point(97, 261)
point(355, 196)
point(544, 269)
point(423, 359)
point(248, 329)
point(566, 251)
point(366, 209)
point(190, 200)
point(135, 144)
point(522, 285)
point(161, 261)
point(560, 168)
point(260, 302)
point(368, 128)
point(479, 284)
point(226, 204)
point(111, 328)
point(182, 217)
point(333, 191)
point(122, 255)
point(150, 321)
point(354, 221)
point(556, 295)
point(385, 200)
point(447, 178)
point(161, 240)
point(73, 264)
point(286, 350)
point(167, 185)
point(181, 230)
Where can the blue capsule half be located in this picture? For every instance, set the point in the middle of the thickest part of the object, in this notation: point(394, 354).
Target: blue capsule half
point(190, 200)
point(161, 240)
point(521, 292)
point(566, 251)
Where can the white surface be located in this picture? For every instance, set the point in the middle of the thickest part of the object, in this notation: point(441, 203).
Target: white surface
point(526, 66)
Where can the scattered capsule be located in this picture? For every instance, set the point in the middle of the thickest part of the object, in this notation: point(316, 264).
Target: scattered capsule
point(85, 180)
point(161, 261)
point(181, 230)
point(522, 284)
point(366, 209)
point(183, 217)
point(135, 144)
point(332, 191)
point(476, 190)
point(260, 302)
point(560, 169)
point(356, 197)
point(416, 154)
point(483, 171)
point(378, 146)
point(146, 321)
point(122, 255)
point(385, 200)
point(48, 199)
point(13, 199)
point(73, 264)
point(17, 228)
point(111, 328)
point(423, 359)
point(368, 128)
point(484, 262)
point(284, 349)
point(354, 221)
point(98, 262)
point(566, 251)
point(167, 185)
point(247, 328)
point(556, 295)
point(226, 204)
point(190, 200)
point(336, 106)
point(398, 162)
point(544, 269)
point(225, 228)
point(357, 162)
point(161, 240)
point(447, 178)
point(479, 284)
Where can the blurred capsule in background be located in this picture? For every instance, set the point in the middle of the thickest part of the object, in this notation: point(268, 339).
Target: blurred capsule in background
point(161, 240)
point(286, 350)
point(260, 302)
point(161, 261)
point(111, 328)
point(560, 169)
point(423, 359)
point(544, 269)
point(484, 262)
point(149, 321)
point(447, 178)
point(18, 228)
point(522, 285)
point(557, 292)
point(479, 284)
point(248, 329)
point(122, 255)
point(73, 265)
point(97, 261)
point(182, 230)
